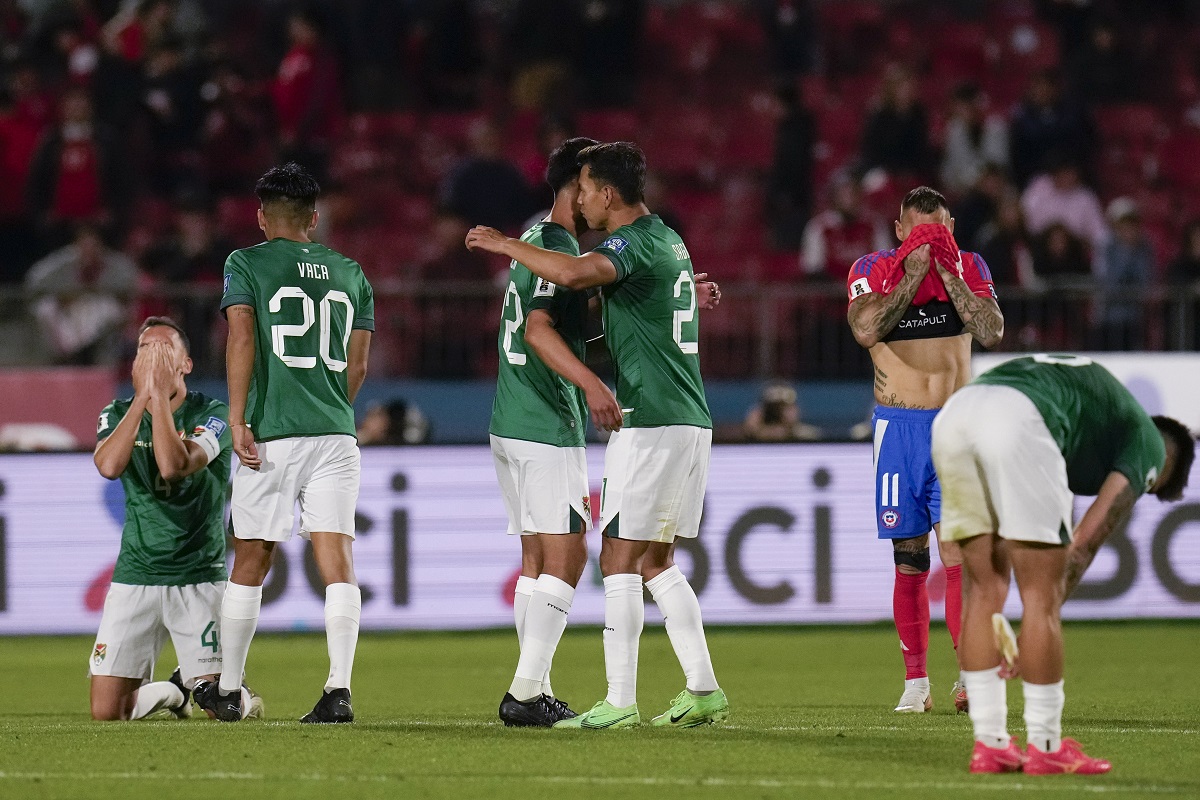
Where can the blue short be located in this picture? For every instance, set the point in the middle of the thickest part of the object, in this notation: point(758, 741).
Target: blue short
point(908, 498)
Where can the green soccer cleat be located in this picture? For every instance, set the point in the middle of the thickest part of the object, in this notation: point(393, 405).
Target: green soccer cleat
point(689, 710)
point(604, 716)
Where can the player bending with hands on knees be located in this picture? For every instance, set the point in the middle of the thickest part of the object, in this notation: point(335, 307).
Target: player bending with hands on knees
point(917, 309)
point(1052, 427)
point(300, 321)
point(171, 450)
point(656, 465)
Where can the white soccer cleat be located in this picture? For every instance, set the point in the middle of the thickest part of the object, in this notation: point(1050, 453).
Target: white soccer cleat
point(1006, 643)
point(916, 698)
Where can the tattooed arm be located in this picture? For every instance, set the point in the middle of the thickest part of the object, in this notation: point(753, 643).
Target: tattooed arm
point(980, 315)
point(873, 316)
point(1111, 508)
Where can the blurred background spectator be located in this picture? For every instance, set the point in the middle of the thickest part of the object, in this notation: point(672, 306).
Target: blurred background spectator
point(776, 418)
point(974, 139)
point(396, 422)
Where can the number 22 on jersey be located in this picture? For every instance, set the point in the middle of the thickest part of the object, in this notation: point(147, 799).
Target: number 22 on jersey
point(686, 337)
point(280, 333)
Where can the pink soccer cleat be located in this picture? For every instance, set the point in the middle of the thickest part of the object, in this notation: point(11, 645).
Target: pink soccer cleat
point(1067, 759)
point(986, 759)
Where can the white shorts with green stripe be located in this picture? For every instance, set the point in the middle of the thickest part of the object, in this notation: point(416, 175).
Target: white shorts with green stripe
point(545, 488)
point(654, 481)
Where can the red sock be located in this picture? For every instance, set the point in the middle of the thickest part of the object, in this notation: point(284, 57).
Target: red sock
point(954, 602)
point(910, 608)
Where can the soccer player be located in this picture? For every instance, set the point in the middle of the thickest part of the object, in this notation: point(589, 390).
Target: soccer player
point(917, 317)
point(656, 466)
point(1056, 426)
point(300, 322)
point(537, 438)
point(171, 450)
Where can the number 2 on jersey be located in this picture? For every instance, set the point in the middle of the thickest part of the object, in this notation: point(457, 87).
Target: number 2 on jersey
point(511, 326)
point(686, 315)
point(281, 333)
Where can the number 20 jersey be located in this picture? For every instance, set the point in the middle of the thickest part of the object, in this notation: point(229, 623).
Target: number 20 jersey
point(306, 299)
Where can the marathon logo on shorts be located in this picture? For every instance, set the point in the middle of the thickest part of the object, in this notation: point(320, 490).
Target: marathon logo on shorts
point(99, 653)
point(215, 425)
point(890, 518)
point(544, 288)
point(615, 243)
point(859, 288)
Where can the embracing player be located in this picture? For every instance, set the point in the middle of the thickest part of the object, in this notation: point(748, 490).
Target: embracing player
point(917, 317)
point(300, 322)
point(170, 448)
point(656, 466)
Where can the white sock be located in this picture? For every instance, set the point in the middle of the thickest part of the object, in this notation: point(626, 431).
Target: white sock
point(239, 618)
point(545, 622)
point(343, 604)
point(685, 628)
point(154, 697)
point(989, 705)
point(1043, 714)
point(521, 605)
point(624, 615)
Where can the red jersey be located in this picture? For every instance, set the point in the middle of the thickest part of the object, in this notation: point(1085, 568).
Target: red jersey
point(931, 314)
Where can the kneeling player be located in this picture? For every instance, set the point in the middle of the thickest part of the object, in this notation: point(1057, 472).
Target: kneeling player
point(171, 450)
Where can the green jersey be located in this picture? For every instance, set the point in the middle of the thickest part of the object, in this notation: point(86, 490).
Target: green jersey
point(174, 533)
point(306, 299)
point(651, 326)
point(533, 402)
point(1098, 425)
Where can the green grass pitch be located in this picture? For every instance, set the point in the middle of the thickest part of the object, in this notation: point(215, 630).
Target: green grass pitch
point(811, 718)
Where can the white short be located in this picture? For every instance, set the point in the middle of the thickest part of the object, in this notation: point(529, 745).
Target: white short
point(545, 488)
point(654, 481)
point(1000, 469)
point(319, 472)
point(137, 621)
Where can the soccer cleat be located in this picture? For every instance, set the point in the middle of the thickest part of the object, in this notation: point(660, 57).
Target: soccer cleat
point(986, 759)
point(184, 709)
point(916, 698)
point(603, 716)
point(1006, 643)
point(256, 709)
point(225, 707)
point(689, 710)
point(561, 708)
point(536, 713)
point(334, 706)
point(1067, 759)
point(959, 695)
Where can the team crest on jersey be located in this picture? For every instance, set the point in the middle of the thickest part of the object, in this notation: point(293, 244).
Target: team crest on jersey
point(859, 288)
point(890, 518)
point(99, 653)
point(544, 288)
point(615, 243)
point(587, 507)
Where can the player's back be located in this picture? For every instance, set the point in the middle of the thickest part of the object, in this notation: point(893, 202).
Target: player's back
point(651, 326)
point(306, 298)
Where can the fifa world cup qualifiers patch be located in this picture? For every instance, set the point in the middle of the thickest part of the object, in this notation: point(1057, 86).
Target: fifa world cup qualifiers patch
point(614, 243)
point(98, 654)
point(859, 288)
point(227, 277)
point(544, 288)
point(215, 425)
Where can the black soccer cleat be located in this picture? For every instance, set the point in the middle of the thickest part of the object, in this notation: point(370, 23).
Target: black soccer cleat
point(225, 707)
point(184, 709)
point(536, 713)
point(334, 706)
point(561, 708)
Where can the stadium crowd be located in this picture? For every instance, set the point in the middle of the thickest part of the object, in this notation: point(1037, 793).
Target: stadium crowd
point(782, 133)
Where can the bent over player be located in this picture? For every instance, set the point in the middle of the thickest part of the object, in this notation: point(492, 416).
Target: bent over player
point(1057, 426)
point(916, 309)
point(656, 466)
point(300, 322)
point(170, 448)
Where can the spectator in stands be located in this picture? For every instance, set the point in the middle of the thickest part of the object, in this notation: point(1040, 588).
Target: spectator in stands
point(1060, 259)
point(1126, 263)
point(836, 237)
point(137, 29)
point(80, 296)
point(790, 185)
point(608, 57)
point(543, 41)
point(396, 422)
point(1103, 71)
point(455, 333)
point(235, 143)
point(791, 27)
point(1004, 244)
point(776, 418)
point(974, 139)
point(1060, 196)
point(76, 174)
point(1046, 123)
point(978, 206)
point(896, 136)
point(173, 110)
point(307, 94)
point(1185, 269)
point(20, 130)
point(485, 188)
point(553, 130)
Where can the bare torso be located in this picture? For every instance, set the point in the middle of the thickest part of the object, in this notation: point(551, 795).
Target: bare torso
point(921, 373)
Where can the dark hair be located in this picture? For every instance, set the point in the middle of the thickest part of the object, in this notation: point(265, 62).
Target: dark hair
point(924, 200)
point(563, 166)
point(289, 190)
point(621, 165)
point(1173, 430)
point(166, 322)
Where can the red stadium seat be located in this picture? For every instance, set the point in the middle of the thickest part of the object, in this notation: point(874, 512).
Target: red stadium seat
point(1179, 160)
